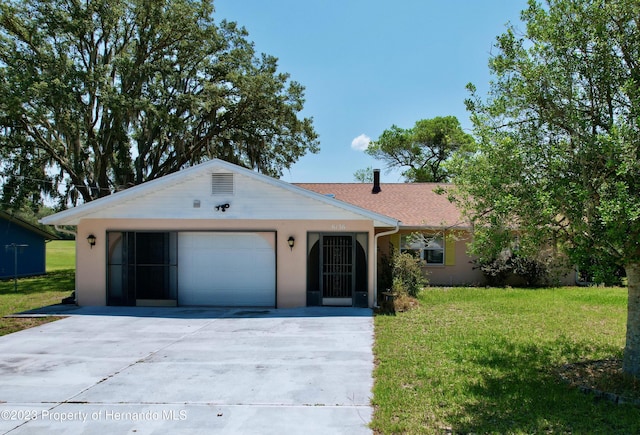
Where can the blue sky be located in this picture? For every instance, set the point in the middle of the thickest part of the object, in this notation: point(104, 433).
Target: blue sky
point(369, 64)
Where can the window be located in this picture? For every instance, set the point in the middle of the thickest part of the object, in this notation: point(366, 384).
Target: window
point(428, 247)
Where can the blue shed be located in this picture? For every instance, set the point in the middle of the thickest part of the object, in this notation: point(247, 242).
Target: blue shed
point(25, 239)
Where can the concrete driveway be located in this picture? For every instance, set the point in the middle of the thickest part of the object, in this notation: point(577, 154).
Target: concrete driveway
point(181, 370)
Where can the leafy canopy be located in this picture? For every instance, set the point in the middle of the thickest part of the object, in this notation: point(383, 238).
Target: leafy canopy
point(558, 153)
point(421, 150)
point(364, 175)
point(100, 95)
point(559, 143)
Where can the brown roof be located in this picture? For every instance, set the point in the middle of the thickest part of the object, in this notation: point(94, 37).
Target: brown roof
point(414, 204)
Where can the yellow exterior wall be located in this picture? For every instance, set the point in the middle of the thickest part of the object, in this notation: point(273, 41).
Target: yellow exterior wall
point(457, 270)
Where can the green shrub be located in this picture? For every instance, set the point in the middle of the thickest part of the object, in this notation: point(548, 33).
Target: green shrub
point(407, 274)
point(601, 269)
point(528, 271)
point(495, 271)
point(532, 272)
point(385, 274)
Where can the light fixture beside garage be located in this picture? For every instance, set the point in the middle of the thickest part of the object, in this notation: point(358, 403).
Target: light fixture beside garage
point(291, 241)
point(92, 240)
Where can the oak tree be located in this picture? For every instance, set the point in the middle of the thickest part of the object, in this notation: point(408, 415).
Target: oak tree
point(99, 95)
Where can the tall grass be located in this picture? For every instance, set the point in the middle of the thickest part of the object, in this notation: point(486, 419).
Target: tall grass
point(486, 361)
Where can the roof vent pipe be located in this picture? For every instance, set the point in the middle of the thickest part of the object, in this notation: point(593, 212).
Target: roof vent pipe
point(376, 181)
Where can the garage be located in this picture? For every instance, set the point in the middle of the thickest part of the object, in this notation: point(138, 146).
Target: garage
point(220, 235)
point(227, 269)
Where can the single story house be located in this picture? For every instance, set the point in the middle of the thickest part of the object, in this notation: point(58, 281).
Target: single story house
point(217, 234)
point(22, 247)
point(430, 225)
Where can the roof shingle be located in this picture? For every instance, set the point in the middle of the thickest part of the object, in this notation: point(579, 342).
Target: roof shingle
point(414, 204)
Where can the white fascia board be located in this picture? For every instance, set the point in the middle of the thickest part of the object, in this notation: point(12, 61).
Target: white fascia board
point(436, 227)
point(74, 215)
point(379, 219)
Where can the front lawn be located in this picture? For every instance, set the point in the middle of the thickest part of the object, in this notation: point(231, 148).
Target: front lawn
point(39, 291)
point(61, 255)
point(471, 360)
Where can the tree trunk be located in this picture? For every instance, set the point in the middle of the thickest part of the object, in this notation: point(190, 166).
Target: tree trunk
point(631, 359)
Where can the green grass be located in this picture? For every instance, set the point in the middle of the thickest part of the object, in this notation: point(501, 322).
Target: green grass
point(61, 255)
point(471, 360)
point(40, 291)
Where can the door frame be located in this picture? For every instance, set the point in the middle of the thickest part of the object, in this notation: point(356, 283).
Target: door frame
point(338, 267)
point(359, 268)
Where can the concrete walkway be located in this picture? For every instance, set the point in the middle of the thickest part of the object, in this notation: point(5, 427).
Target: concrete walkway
point(190, 370)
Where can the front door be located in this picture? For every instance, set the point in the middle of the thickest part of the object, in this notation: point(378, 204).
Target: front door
point(337, 270)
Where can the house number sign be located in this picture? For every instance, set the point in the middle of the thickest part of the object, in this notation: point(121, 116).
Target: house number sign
point(338, 227)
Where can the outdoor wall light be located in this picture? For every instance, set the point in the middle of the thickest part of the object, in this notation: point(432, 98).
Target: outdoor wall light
point(291, 241)
point(92, 240)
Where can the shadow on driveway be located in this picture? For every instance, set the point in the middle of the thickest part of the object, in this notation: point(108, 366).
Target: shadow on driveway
point(198, 312)
point(190, 370)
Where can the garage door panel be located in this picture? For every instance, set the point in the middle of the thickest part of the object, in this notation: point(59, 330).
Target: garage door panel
point(226, 269)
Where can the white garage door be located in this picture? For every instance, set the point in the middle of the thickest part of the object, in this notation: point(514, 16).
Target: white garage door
point(226, 269)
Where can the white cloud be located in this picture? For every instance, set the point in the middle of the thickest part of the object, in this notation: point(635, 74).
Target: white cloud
point(361, 142)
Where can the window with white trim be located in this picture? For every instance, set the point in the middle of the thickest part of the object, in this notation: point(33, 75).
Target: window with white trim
point(428, 247)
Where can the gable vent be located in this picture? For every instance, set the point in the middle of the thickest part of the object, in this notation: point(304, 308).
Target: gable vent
point(222, 184)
